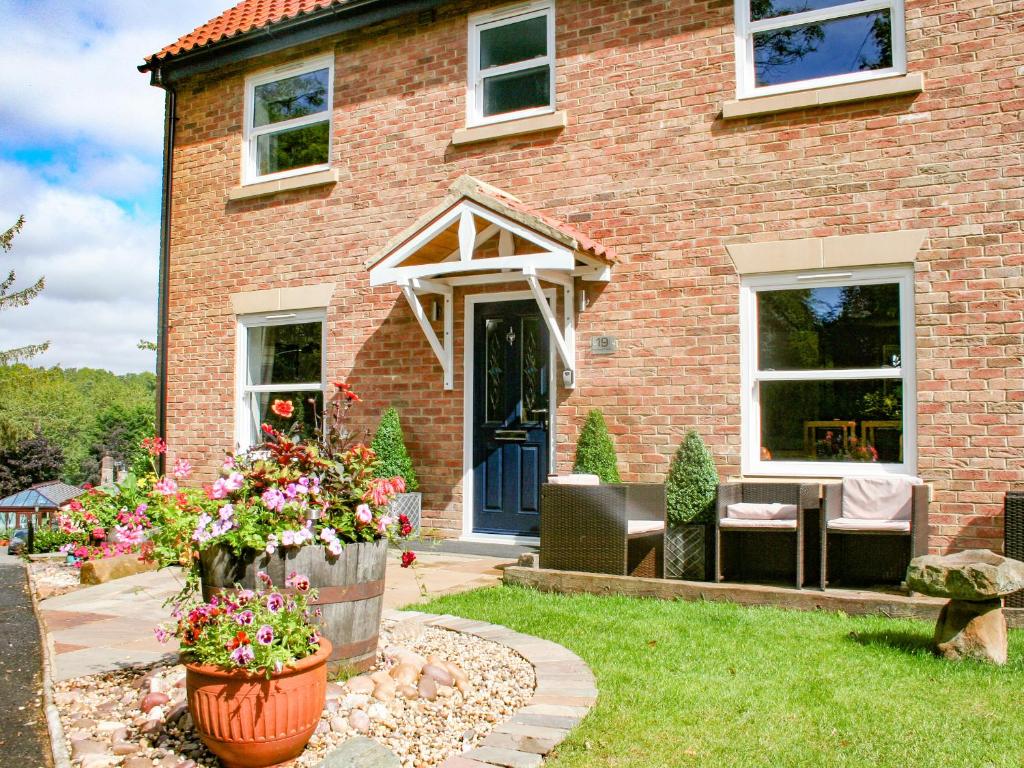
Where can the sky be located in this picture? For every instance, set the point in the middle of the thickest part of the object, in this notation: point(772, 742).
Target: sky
point(81, 134)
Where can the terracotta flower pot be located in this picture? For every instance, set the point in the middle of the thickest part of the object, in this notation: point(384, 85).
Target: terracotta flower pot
point(249, 721)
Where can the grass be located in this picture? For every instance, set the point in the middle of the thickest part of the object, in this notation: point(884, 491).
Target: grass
point(715, 684)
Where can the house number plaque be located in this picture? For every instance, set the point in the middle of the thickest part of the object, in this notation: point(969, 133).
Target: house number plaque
point(604, 345)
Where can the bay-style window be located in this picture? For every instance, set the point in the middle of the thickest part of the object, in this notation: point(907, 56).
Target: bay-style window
point(828, 373)
point(280, 358)
point(511, 63)
point(788, 45)
point(288, 120)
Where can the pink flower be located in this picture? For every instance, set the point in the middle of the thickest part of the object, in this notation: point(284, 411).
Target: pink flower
point(287, 538)
point(380, 492)
point(234, 481)
point(167, 486)
point(219, 489)
point(182, 469)
point(265, 635)
point(383, 523)
point(229, 463)
point(264, 578)
point(242, 655)
point(274, 500)
point(162, 635)
point(363, 514)
point(398, 483)
point(245, 618)
point(275, 602)
point(298, 581)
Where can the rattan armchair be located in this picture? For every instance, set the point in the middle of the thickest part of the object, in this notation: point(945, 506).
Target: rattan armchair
point(769, 536)
point(875, 548)
point(617, 529)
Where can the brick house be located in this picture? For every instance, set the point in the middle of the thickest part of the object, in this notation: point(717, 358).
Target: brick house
point(794, 225)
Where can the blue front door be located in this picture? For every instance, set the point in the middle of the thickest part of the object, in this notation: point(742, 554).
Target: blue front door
point(510, 413)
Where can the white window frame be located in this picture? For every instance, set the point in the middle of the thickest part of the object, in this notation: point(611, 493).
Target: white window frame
point(751, 461)
point(478, 22)
point(245, 392)
point(746, 29)
point(250, 155)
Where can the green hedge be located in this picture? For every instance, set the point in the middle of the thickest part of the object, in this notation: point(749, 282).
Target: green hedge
point(389, 445)
point(692, 482)
point(595, 451)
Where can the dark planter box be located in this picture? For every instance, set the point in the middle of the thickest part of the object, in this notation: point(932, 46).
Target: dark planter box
point(689, 551)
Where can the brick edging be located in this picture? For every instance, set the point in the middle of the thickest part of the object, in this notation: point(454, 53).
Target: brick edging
point(565, 693)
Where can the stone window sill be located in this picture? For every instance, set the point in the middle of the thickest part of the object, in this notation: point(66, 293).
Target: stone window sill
point(554, 121)
point(817, 97)
point(302, 181)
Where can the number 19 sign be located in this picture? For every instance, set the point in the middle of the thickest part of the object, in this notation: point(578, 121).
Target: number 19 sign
point(604, 345)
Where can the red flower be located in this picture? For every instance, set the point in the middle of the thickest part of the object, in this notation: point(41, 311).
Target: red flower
point(240, 639)
point(408, 558)
point(352, 397)
point(155, 446)
point(283, 408)
point(342, 386)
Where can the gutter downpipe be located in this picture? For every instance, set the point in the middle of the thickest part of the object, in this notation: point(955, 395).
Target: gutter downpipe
point(163, 301)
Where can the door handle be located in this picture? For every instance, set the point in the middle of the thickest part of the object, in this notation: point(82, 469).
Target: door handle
point(540, 415)
point(510, 435)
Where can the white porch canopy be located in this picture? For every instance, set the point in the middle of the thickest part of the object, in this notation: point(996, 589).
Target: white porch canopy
point(480, 235)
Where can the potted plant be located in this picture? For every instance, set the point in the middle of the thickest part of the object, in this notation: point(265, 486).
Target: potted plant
point(313, 505)
point(393, 461)
point(255, 671)
point(690, 498)
point(595, 451)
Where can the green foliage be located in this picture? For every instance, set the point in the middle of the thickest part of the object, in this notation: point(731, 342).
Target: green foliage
point(595, 451)
point(85, 411)
point(692, 482)
point(9, 298)
point(393, 458)
point(759, 687)
point(52, 539)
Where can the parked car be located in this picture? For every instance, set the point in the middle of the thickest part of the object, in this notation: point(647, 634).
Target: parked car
point(18, 542)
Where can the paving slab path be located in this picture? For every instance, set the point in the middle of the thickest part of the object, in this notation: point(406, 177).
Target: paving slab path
point(110, 626)
point(23, 737)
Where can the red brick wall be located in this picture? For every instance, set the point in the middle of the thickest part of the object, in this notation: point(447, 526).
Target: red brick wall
point(648, 167)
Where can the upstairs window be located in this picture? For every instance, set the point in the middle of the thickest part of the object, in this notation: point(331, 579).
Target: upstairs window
point(288, 120)
point(789, 45)
point(511, 63)
point(828, 369)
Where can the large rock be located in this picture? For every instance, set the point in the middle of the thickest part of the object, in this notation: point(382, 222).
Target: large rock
point(975, 574)
point(110, 568)
point(972, 629)
point(361, 752)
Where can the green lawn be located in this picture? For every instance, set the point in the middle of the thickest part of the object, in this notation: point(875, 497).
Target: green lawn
point(714, 684)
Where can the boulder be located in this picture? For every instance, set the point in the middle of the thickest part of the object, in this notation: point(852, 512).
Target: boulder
point(975, 574)
point(971, 629)
point(361, 752)
point(111, 568)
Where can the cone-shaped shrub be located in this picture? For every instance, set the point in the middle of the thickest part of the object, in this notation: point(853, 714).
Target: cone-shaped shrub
point(692, 482)
point(389, 445)
point(595, 452)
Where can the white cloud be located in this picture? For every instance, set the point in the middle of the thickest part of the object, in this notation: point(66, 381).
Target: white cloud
point(100, 265)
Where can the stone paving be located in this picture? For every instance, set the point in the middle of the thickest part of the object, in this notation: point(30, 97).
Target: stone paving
point(110, 626)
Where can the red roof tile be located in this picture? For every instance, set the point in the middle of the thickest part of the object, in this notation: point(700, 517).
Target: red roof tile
point(247, 16)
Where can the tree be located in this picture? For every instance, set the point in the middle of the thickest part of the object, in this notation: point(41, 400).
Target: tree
point(692, 482)
point(389, 445)
point(20, 298)
point(595, 451)
point(30, 461)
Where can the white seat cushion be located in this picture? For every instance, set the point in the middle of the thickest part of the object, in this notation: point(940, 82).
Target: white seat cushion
point(732, 522)
point(853, 524)
point(644, 526)
point(887, 497)
point(745, 511)
point(574, 479)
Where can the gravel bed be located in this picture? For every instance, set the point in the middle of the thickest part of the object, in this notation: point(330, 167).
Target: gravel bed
point(53, 577)
point(101, 714)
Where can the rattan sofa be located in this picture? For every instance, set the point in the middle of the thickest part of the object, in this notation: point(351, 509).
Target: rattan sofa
point(876, 549)
point(770, 544)
point(617, 529)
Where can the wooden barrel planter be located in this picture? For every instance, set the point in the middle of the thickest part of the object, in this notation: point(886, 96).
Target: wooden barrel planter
point(350, 587)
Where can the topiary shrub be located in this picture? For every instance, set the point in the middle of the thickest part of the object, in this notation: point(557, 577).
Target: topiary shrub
point(595, 451)
point(692, 482)
point(389, 445)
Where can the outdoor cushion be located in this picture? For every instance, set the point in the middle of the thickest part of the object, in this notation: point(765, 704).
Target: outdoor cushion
point(732, 522)
point(853, 524)
point(887, 497)
point(578, 479)
point(748, 511)
point(634, 527)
